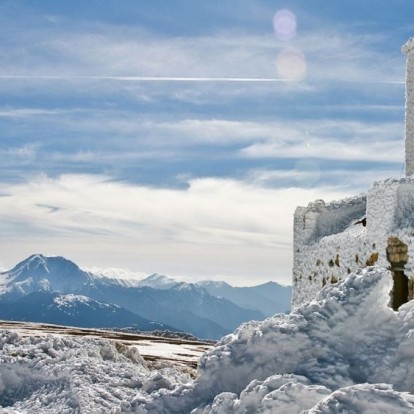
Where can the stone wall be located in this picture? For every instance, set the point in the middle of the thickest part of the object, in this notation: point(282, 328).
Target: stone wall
point(335, 239)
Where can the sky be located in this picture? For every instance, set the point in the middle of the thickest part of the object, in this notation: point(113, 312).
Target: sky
point(178, 137)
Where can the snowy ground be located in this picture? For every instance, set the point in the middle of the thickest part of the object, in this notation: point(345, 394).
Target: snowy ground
point(345, 352)
point(183, 354)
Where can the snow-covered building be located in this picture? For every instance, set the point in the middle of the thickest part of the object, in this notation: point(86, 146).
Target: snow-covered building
point(332, 240)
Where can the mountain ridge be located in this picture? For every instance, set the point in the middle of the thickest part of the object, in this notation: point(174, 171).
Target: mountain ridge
point(74, 310)
point(268, 298)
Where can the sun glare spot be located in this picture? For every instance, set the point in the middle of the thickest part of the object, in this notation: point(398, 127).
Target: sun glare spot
point(284, 24)
point(291, 64)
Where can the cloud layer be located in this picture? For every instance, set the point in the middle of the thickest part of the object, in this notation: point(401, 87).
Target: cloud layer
point(214, 227)
point(180, 139)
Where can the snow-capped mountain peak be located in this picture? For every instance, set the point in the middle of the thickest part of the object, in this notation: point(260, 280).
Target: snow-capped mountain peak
point(216, 284)
point(37, 264)
point(157, 281)
point(38, 272)
point(35, 261)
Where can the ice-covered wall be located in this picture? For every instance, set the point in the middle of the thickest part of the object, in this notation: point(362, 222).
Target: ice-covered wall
point(335, 239)
point(322, 257)
point(320, 219)
point(408, 49)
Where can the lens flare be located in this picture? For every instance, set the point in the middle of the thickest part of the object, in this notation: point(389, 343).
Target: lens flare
point(284, 23)
point(291, 64)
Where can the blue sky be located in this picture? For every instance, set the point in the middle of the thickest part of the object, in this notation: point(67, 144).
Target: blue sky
point(178, 137)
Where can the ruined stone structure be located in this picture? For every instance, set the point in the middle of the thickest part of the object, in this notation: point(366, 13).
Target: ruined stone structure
point(335, 239)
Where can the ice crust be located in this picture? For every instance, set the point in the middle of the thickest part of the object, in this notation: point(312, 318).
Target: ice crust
point(331, 241)
point(344, 352)
point(63, 375)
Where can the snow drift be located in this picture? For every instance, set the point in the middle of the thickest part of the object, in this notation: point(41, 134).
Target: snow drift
point(344, 352)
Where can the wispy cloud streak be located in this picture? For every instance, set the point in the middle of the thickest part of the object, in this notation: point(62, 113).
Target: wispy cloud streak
point(182, 79)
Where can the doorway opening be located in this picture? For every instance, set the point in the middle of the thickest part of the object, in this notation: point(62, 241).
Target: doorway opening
point(397, 255)
point(400, 289)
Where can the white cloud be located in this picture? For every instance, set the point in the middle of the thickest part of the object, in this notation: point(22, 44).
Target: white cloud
point(214, 227)
point(116, 273)
point(310, 173)
point(335, 140)
point(105, 50)
point(138, 137)
point(25, 152)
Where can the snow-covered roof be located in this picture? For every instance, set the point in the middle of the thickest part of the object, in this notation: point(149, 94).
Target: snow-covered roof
point(409, 46)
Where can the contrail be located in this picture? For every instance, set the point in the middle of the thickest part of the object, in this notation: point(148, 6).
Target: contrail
point(146, 78)
point(187, 79)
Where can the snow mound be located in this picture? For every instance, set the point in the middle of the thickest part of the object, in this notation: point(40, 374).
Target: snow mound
point(346, 336)
point(367, 399)
point(339, 339)
point(63, 375)
point(287, 394)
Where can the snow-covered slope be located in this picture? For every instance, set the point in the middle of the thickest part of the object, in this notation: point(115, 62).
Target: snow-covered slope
point(74, 310)
point(345, 352)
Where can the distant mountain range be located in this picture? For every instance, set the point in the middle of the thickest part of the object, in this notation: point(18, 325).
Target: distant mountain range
point(268, 298)
point(56, 290)
point(73, 310)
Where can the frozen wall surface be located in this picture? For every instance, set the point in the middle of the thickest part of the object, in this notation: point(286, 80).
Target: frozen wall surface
point(333, 240)
point(408, 49)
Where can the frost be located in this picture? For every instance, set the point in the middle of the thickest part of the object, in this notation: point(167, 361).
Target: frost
point(335, 239)
point(367, 399)
point(288, 394)
point(344, 352)
point(72, 374)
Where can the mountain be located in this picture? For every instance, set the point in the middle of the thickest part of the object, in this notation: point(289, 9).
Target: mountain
point(38, 272)
point(274, 291)
point(269, 298)
point(186, 307)
point(73, 310)
point(157, 281)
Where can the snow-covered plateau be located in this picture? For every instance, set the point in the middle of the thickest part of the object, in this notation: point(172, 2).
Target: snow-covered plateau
point(346, 351)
